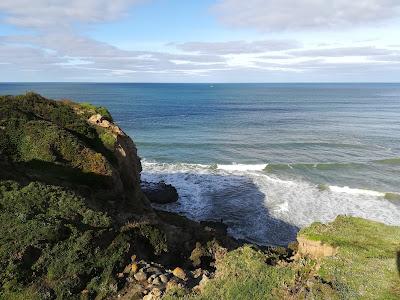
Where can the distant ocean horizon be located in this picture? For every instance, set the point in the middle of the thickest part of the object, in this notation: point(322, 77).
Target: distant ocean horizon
point(266, 158)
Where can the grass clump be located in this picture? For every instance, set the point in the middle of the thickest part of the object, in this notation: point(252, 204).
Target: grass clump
point(92, 109)
point(366, 266)
point(107, 138)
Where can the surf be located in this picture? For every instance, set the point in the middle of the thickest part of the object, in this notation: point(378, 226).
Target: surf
point(252, 202)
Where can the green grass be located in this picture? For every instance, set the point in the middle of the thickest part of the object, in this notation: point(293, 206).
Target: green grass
point(52, 242)
point(96, 110)
point(107, 138)
point(243, 274)
point(366, 266)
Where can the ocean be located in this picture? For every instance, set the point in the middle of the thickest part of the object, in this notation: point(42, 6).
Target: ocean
point(266, 159)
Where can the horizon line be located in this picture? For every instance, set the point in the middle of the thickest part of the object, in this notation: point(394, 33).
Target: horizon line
point(172, 82)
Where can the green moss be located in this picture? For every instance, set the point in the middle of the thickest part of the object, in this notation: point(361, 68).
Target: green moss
point(365, 266)
point(392, 196)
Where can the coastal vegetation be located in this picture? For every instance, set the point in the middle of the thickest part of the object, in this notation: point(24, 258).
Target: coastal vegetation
point(75, 223)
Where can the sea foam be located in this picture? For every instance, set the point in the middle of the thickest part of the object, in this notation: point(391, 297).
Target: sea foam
point(262, 207)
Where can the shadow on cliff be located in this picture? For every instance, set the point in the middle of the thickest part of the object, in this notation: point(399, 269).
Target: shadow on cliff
point(235, 200)
point(88, 185)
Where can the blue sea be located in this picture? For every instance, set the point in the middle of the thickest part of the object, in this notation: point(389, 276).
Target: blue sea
point(267, 159)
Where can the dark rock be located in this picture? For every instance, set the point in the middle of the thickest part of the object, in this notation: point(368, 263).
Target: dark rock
point(160, 192)
point(217, 226)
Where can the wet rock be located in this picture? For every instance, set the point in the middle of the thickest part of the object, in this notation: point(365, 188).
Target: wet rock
point(160, 192)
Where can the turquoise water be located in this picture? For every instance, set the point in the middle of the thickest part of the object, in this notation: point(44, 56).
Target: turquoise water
point(266, 158)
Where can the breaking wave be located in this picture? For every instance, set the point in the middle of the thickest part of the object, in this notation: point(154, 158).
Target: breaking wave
point(262, 207)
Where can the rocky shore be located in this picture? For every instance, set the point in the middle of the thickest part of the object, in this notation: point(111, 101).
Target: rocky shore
point(76, 222)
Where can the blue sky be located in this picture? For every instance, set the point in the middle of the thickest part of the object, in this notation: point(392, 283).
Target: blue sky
point(200, 41)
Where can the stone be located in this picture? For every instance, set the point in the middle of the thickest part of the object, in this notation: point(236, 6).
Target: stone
point(148, 297)
point(157, 281)
point(154, 270)
point(134, 268)
point(202, 282)
point(163, 278)
point(315, 249)
point(127, 269)
point(217, 226)
point(140, 276)
point(156, 292)
point(160, 192)
point(197, 273)
point(179, 273)
point(198, 252)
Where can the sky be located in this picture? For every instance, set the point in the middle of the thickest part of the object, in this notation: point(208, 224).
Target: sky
point(200, 41)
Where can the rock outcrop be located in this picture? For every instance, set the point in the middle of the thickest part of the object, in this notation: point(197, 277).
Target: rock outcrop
point(159, 192)
point(315, 249)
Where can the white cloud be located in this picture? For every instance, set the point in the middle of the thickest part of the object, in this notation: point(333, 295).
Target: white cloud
point(54, 50)
point(269, 15)
point(238, 47)
point(48, 13)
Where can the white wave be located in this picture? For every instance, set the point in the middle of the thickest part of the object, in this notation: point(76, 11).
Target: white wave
point(242, 167)
point(262, 207)
point(352, 191)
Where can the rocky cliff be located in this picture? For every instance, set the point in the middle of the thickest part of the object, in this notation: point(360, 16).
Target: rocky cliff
point(72, 212)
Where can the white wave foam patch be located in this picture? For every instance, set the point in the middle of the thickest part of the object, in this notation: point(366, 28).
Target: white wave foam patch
point(242, 167)
point(263, 208)
point(351, 191)
point(307, 204)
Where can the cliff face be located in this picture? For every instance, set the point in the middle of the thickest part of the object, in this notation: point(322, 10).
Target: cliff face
point(72, 145)
point(71, 208)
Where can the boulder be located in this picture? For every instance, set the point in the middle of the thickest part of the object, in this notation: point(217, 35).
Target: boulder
point(179, 273)
point(159, 192)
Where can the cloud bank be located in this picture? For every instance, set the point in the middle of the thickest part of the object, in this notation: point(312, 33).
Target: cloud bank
point(269, 15)
point(54, 50)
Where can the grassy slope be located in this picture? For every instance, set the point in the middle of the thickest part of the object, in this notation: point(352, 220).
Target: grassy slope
point(365, 268)
point(367, 265)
